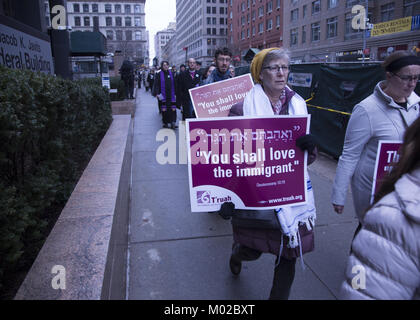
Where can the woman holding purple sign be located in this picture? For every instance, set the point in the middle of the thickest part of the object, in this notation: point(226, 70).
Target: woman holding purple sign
point(384, 115)
point(164, 89)
point(387, 248)
point(286, 232)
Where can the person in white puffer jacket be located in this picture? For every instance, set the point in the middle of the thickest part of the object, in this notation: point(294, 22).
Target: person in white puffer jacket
point(385, 258)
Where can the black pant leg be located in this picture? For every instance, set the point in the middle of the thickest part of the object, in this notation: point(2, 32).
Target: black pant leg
point(243, 253)
point(284, 274)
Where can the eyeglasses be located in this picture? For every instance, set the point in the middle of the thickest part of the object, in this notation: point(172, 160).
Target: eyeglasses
point(224, 59)
point(408, 79)
point(274, 69)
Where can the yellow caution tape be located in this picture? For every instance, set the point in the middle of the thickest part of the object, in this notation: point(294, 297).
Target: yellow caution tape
point(327, 109)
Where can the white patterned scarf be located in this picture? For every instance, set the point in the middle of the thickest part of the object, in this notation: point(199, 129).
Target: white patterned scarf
point(257, 103)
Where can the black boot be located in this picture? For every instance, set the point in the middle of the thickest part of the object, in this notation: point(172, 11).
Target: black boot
point(235, 263)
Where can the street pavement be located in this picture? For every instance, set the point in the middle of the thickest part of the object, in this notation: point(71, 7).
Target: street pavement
point(175, 254)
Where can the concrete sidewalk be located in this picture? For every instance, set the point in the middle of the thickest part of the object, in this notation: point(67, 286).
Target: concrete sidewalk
point(176, 254)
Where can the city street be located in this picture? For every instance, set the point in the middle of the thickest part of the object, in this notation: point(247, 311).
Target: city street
point(177, 254)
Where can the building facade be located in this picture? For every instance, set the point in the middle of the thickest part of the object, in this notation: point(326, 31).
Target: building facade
point(169, 51)
point(121, 22)
point(161, 39)
point(321, 30)
point(201, 29)
point(254, 24)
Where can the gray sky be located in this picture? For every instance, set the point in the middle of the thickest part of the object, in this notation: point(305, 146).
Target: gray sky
point(158, 15)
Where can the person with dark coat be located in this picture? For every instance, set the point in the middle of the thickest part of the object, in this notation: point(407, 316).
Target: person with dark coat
point(286, 232)
point(164, 88)
point(127, 75)
point(150, 80)
point(222, 57)
point(187, 80)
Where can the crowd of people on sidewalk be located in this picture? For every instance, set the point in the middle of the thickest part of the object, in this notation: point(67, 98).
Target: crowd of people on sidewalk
point(387, 241)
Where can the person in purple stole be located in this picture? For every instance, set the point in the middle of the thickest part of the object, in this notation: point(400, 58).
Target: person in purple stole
point(164, 89)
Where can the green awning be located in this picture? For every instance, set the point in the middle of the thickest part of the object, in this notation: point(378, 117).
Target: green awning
point(250, 54)
point(87, 43)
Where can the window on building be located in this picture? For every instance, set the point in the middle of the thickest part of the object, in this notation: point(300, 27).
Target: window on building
point(118, 35)
point(269, 6)
point(117, 8)
point(94, 7)
point(137, 21)
point(128, 35)
point(294, 34)
point(76, 7)
point(108, 8)
point(213, 10)
point(269, 24)
point(304, 10)
point(316, 6)
point(208, 20)
point(127, 8)
point(209, 10)
point(411, 8)
point(77, 21)
point(85, 7)
point(108, 21)
point(110, 34)
point(222, 20)
point(243, 6)
point(315, 31)
point(208, 30)
point(137, 8)
point(213, 31)
point(278, 4)
point(128, 21)
point(332, 27)
point(253, 31)
point(242, 20)
point(351, 33)
point(387, 12)
point(96, 22)
point(294, 15)
point(138, 35)
point(247, 33)
point(261, 11)
point(222, 10)
point(214, 20)
point(118, 21)
point(278, 21)
point(351, 3)
point(332, 4)
point(242, 35)
point(253, 15)
point(261, 27)
point(303, 34)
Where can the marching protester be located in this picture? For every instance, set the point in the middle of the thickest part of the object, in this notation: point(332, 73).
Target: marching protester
point(207, 72)
point(232, 71)
point(187, 80)
point(264, 231)
point(387, 248)
point(384, 115)
point(223, 58)
point(150, 80)
point(127, 75)
point(164, 89)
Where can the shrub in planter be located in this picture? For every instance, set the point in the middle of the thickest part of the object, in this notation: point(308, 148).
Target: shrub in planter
point(49, 129)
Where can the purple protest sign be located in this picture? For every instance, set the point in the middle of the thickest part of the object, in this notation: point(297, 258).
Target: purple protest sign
point(216, 99)
point(386, 156)
point(252, 162)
